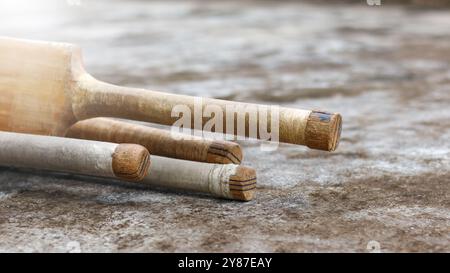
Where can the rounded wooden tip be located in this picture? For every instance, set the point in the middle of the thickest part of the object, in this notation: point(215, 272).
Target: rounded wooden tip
point(131, 162)
point(224, 152)
point(323, 130)
point(243, 183)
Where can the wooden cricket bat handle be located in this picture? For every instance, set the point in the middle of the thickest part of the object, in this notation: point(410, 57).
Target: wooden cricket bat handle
point(124, 161)
point(223, 180)
point(157, 141)
point(315, 129)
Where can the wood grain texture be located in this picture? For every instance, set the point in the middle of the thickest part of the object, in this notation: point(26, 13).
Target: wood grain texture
point(157, 141)
point(131, 162)
point(44, 89)
point(243, 183)
point(224, 152)
point(35, 96)
point(323, 130)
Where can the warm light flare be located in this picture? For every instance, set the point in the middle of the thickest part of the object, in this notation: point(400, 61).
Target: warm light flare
point(19, 16)
point(16, 7)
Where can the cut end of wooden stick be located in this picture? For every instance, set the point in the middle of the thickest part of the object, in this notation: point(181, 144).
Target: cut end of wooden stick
point(243, 183)
point(224, 152)
point(131, 162)
point(323, 130)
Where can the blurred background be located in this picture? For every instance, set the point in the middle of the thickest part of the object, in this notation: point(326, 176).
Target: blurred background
point(384, 67)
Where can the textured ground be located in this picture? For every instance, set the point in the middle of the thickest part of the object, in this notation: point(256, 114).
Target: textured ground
point(386, 69)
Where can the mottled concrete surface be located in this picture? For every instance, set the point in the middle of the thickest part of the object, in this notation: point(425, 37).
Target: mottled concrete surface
point(386, 69)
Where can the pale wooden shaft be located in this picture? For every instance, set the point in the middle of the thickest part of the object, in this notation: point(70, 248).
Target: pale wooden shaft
point(96, 99)
point(216, 179)
point(57, 154)
point(158, 141)
point(125, 161)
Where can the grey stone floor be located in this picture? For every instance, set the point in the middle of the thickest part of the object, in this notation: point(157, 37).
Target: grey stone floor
point(386, 69)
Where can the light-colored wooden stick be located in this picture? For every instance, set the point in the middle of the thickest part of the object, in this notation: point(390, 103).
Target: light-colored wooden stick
point(123, 161)
point(129, 162)
point(157, 141)
point(44, 89)
point(223, 180)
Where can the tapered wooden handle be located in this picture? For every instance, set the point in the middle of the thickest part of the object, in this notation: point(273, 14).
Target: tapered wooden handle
point(157, 141)
point(315, 129)
point(124, 161)
point(223, 180)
